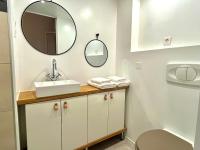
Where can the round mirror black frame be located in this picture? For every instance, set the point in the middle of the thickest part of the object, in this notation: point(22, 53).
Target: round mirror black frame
point(86, 49)
point(66, 12)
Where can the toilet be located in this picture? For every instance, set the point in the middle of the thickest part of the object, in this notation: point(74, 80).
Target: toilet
point(161, 140)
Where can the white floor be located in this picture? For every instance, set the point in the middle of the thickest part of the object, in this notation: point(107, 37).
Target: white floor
point(114, 144)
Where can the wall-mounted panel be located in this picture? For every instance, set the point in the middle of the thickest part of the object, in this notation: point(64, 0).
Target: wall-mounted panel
point(5, 88)
point(4, 38)
point(187, 74)
point(7, 135)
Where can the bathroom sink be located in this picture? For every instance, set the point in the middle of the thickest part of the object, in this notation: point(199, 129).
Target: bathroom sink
point(51, 88)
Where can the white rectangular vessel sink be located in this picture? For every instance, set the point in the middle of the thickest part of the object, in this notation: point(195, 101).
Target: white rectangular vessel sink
point(52, 88)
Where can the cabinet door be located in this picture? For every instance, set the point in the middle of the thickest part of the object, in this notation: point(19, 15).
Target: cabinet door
point(97, 116)
point(74, 122)
point(116, 111)
point(43, 123)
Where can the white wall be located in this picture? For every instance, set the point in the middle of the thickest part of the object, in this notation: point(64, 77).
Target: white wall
point(163, 18)
point(152, 102)
point(31, 65)
point(197, 139)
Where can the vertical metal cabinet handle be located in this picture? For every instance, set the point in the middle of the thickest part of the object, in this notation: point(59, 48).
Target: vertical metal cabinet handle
point(56, 107)
point(105, 97)
point(111, 96)
point(65, 105)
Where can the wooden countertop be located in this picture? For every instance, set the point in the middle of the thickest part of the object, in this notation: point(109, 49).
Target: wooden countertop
point(29, 97)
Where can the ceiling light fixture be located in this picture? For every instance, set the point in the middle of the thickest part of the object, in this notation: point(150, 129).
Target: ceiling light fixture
point(42, 1)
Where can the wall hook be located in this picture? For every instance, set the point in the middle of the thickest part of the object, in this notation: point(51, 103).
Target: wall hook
point(97, 36)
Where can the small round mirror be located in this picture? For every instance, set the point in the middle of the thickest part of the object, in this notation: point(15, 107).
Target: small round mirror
point(96, 53)
point(48, 27)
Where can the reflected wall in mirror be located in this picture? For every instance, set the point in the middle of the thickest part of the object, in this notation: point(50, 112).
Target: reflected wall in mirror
point(48, 27)
point(96, 53)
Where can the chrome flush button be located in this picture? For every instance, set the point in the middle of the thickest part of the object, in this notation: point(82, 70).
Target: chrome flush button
point(191, 74)
point(181, 73)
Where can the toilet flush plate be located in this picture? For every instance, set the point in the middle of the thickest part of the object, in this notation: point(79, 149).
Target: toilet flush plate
point(187, 74)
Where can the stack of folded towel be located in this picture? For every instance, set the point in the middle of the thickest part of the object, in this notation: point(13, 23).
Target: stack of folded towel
point(109, 82)
point(119, 81)
point(102, 83)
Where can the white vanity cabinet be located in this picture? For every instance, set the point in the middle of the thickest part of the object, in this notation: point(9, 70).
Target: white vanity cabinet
point(74, 122)
point(57, 125)
point(43, 125)
point(105, 114)
point(97, 116)
point(116, 111)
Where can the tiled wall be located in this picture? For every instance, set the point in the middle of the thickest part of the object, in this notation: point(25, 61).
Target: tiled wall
point(7, 137)
point(3, 5)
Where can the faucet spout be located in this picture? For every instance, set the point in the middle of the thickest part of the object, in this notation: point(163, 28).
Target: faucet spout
point(54, 68)
point(54, 75)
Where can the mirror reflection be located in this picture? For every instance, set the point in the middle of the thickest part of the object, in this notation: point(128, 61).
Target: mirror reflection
point(96, 53)
point(48, 27)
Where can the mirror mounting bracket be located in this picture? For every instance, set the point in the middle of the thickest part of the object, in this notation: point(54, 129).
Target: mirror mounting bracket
point(97, 36)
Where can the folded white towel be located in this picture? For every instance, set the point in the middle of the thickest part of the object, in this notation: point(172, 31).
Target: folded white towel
point(116, 78)
point(122, 83)
point(100, 80)
point(103, 85)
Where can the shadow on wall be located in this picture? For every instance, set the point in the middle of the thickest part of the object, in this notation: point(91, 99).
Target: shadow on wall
point(3, 5)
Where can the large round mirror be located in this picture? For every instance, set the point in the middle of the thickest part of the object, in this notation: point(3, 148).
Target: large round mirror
point(48, 27)
point(96, 53)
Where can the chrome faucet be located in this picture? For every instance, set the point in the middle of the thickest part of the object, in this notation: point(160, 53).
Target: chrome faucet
point(54, 75)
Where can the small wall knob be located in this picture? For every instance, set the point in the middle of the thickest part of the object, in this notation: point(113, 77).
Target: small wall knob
point(56, 107)
point(105, 97)
point(111, 96)
point(65, 105)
